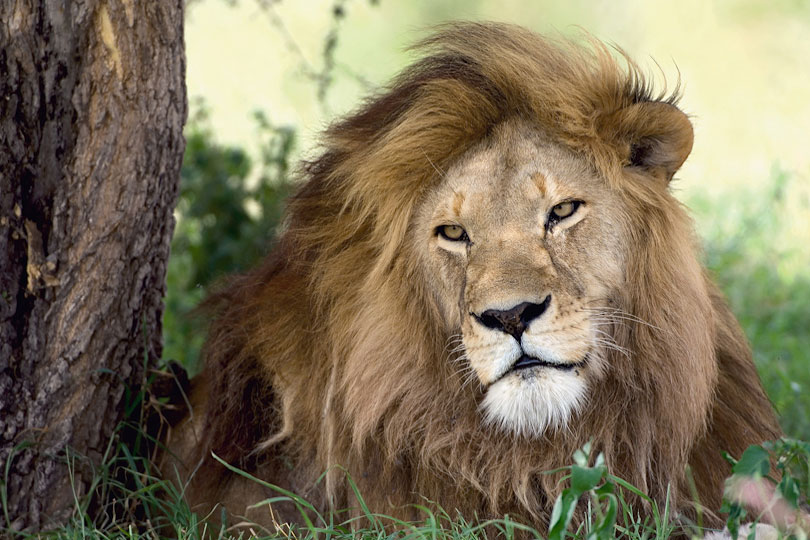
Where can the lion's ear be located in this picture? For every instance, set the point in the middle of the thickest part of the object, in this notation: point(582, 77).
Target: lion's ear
point(656, 137)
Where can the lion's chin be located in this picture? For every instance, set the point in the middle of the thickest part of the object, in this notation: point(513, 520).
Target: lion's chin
point(530, 401)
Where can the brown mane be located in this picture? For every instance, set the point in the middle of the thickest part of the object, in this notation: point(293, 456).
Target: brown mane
point(333, 352)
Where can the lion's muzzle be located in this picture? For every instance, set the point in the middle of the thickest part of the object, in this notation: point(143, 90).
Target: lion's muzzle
point(513, 321)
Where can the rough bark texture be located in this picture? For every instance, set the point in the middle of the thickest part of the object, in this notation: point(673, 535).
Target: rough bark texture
point(92, 104)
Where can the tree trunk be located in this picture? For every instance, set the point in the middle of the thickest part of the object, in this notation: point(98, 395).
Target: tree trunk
point(92, 105)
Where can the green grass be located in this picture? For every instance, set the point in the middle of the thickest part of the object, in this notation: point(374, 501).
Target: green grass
point(128, 500)
point(125, 499)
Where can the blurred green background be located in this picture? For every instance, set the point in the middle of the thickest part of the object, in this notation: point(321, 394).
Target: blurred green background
point(265, 76)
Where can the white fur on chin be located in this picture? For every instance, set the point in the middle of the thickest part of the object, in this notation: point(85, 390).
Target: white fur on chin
point(528, 402)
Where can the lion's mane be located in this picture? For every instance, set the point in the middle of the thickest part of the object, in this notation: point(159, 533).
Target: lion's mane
point(332, 352)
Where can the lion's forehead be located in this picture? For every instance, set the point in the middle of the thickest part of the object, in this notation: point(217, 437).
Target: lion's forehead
point(513, 176)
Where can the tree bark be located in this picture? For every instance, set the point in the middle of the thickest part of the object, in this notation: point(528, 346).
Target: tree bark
point(92, 105)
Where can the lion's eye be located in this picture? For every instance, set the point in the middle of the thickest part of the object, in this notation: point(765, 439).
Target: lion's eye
point(563, 210)
point(454, 233)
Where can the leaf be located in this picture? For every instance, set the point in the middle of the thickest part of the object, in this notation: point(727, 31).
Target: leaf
point(755, 461)
point(789, 489)
point(605, 528)
point(729, 459)
point(562, 514)
point(584, 479)
point(581, 455)
point(556, 512)
point(606, 488)
point(736, 513)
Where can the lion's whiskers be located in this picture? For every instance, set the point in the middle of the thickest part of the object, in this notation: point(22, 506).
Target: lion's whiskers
point(607, 341)
point(453, 340)
point(456, 353)
point(617, 314)
point(465, 371)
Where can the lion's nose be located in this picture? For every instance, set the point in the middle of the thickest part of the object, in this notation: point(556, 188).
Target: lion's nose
point(515, 320)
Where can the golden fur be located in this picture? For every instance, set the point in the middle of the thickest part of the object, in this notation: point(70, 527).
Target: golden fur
point(335, 350)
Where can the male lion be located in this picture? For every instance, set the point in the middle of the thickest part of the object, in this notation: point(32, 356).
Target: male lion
point(482, 271)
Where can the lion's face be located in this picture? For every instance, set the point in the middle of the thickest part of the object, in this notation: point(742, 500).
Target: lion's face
point(521, 243)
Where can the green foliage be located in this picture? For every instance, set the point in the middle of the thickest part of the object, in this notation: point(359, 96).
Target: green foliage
point(755, 461)
point(227, 216)
point(791, 480)
point(128, 499)
point(586, 480)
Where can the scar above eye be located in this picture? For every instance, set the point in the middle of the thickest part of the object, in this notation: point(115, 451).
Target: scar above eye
point(540, 181)
point(458, 200)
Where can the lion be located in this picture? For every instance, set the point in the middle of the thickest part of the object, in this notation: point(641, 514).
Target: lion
point(482, 270)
